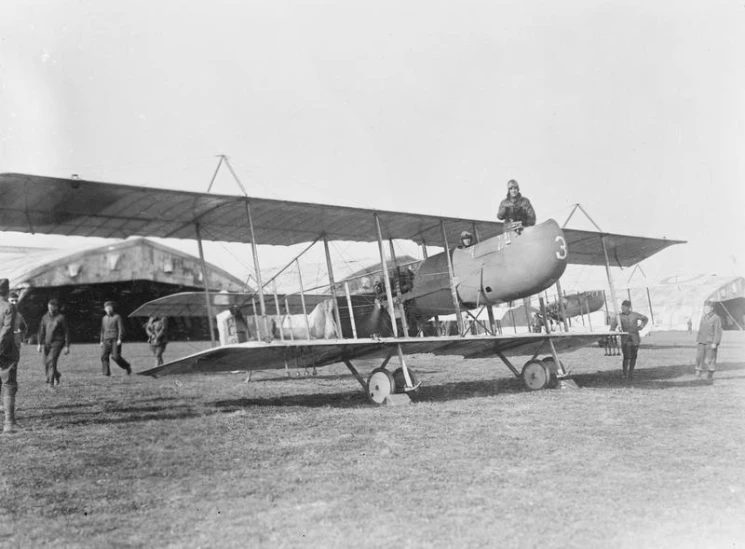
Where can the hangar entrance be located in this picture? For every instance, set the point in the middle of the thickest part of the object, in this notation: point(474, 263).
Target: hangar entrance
point(130, 272)
point(83, 307)
point(732, 313)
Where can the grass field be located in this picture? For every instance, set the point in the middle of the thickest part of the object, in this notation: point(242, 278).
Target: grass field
point(476, 461)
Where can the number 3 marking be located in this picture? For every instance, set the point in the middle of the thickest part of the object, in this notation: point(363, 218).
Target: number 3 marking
point(562, 253)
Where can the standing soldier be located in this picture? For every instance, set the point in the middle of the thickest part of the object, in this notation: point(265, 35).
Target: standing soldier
point(709, 337)
point(112, 334)
point(53, 336)
point(21, 328)
point(632, 323)
point(156, 329)
point(8, 358)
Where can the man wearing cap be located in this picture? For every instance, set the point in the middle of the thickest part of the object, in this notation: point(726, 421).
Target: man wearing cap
point(9, 357)
point(708, 339)
point(21, 328)
point(516, 210)
point(112, 334)
point(466, 240)
point(631, 323)
point(53, 337)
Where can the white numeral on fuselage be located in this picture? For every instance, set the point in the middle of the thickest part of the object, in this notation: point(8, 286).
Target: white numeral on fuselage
point(562, 252)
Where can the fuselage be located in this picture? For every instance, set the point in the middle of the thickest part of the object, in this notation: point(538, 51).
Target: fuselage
point(500, 269)
point(497, 270)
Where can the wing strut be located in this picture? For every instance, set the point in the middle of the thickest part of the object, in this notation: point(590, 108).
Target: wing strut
point(302, 298)
point(425, 255)
point(397, 284)
point(562, 309)
point(610, 283)
point(257, 268)
point(289, 321)
point(279, 311)
point(451, 276)
point(351, 311)
point(256, 319)
point(206, 283)
point(332, 286)
point(388, 293)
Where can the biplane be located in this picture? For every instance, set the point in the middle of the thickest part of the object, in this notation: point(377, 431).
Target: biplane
point(390, 320)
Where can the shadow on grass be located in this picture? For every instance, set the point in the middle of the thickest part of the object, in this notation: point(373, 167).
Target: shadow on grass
point(659, 377)
point(434, 393)
point(458, 390)
point(131, 414)
point(310, 400)
point(103, 404)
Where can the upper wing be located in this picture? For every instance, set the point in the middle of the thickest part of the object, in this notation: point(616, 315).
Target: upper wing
point(194, 304)
point(48, 205)
point(258, 355)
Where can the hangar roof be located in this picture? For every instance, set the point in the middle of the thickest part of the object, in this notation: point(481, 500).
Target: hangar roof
point(124, 261)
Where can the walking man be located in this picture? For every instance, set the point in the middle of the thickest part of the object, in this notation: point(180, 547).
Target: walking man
point(21, 328)
point(112, 334)
point(708, 339)
point(632, 323)
point(156, 329)
point(9, 357)
point(53, 337)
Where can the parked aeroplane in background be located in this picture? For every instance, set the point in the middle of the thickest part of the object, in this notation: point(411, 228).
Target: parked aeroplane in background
point(500, 267)
point(581, 303)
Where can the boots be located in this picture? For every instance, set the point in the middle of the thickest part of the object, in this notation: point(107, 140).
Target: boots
point(9, 403)
point(632, 365)
point(625, 368)
point(710, 377)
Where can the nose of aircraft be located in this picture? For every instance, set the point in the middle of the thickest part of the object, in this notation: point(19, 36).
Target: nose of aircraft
point(526, 264)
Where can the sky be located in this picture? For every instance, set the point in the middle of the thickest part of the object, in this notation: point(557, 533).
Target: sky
point(634, 109)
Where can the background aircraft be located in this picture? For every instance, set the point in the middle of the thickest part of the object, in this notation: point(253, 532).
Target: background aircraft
point(581, 303)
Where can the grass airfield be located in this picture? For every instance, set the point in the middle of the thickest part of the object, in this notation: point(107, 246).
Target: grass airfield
point(476, 461)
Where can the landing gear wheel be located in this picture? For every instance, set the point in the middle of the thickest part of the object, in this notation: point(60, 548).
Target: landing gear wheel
point(380, 385)
point(398, 377)
point(536, 375)
point(553, 370)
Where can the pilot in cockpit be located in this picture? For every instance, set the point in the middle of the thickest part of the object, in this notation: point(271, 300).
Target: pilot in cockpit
point(515, 210)
point(466, 240)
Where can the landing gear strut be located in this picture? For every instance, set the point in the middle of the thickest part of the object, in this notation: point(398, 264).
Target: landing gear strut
point(382, 386)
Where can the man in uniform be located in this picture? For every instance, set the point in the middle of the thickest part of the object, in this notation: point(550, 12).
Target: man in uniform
point(156, 328)
point(112, 334)
point(516, 210)
point(53, 337)
point(632, 323)
point(9, 357)
point(21, 328)
point(708, 339)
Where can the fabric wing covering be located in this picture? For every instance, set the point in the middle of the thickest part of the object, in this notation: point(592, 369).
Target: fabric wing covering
point(75, 207)
point(193, 304)
point(256, 355)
